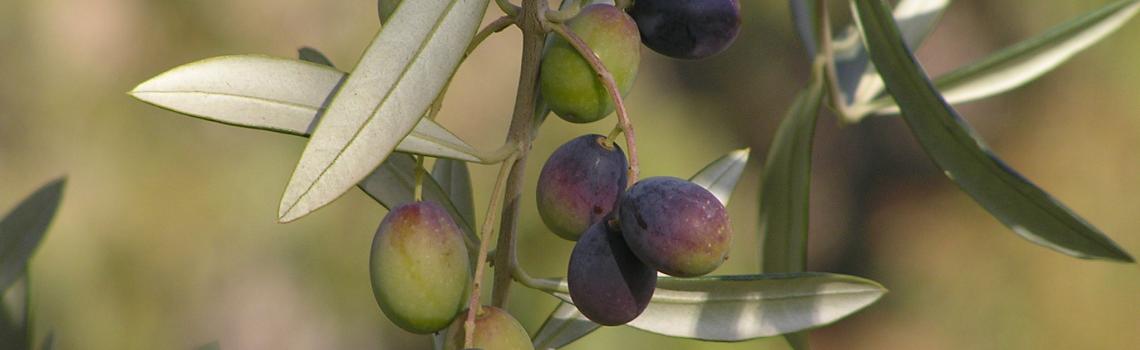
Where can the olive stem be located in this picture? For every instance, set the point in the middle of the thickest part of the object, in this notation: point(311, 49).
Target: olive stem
point(485, 242)
point(827, 52)
point(623, 4)
point(418, 192)
point(521, 132)
point(559, 16)
point(611, 87)
point(545, 285)
point(507, 7)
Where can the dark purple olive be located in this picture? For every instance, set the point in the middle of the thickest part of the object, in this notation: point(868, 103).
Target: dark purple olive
point(607, 282)
point(687, 29)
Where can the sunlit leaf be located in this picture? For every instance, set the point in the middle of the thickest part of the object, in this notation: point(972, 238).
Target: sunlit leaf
point(564, 326)
point(857, 77)
point(309, 54)
point(785, 183)
point(720, 176)
point(737, 308)
point(394, 83)
point(275, 94)
point(393, 183)
point(954, 147)
point(22, 229)
point(1021, 63)
point(455, 181)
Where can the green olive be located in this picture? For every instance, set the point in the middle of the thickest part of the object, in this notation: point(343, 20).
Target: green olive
point(569, 85)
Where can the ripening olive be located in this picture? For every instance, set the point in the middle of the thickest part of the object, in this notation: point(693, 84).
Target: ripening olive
point(495, 329)
point(419, 267)
point(675, 226)
point(607, 282)
point(570, 87)
point(687, 29)
point(579, 184)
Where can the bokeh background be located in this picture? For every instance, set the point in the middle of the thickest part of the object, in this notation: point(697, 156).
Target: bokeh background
point(166, 237)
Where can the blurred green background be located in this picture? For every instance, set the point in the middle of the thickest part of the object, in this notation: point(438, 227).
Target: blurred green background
point(166, 237)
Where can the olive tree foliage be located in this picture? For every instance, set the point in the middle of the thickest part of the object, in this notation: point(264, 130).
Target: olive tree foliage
point(372, 127)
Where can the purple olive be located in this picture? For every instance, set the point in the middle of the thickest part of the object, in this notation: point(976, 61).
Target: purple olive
point(579, 184)
point(608, 284)
point(687, 29)
point(675, 226)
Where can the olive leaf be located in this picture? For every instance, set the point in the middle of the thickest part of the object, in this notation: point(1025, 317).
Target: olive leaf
point(564, 326)
point(964, 158)
point(785, 183)
point(455, 181)
point(214, 345)
point(401, 73)
point(720, 176)
point(309, 54)
point(274, 94)
point(857, 77)
point(1020, 63)
point(738, 308)
point(385, 8)
point(22, 229)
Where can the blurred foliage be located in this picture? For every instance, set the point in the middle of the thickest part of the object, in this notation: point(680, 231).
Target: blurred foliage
point(168, 238)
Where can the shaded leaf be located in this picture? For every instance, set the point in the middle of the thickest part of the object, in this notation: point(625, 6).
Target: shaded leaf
point(1021, 63)
point(397, 79)
point(802, 18)
point(858, 79)
point(785, 183)
point(386, 8)
point(309, 54)
point(720, 176)
point(24, 227)
point(393, 183)
point(564, 326)
point(274, 94)
point(954, 147)
point(455, 181)
point(737, 308)
point(49, 341)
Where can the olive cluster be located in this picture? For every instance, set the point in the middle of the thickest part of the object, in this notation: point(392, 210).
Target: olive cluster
point(685, 29)
point(624, 236)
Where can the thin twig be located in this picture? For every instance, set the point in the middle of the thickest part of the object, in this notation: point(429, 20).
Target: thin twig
point(491, 28)
point(508, 8)
point(418, 192)
point(521, 132)
point(485, 239)
point(826, 49)
point(611, 87)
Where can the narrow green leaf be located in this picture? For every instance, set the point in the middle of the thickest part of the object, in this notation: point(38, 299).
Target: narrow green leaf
point(309, 54)
point(738, 308)
point(455, 181)
point(952, 144)
point(720, 176)
point(386, 8)
point(802, 18)
point(274, 94)
point(786, 181)
point(393, 183)
point(1019, 64)
point(24, 227)
point(400, 74)
point(49, 341)
point(857, 77)
point(564, 326)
